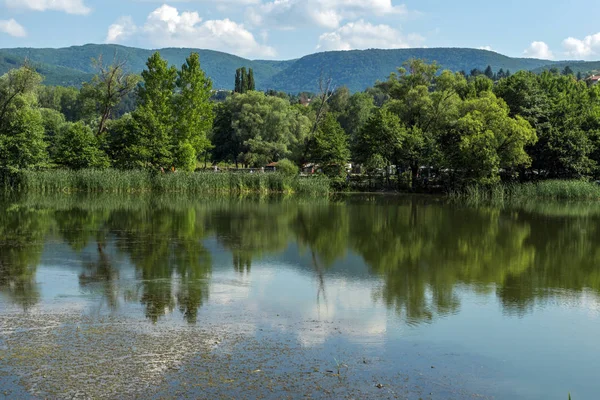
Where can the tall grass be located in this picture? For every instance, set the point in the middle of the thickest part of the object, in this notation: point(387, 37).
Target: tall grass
point(521, 192)
point(116, 181)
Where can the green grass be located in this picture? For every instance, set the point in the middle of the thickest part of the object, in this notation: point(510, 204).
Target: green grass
point(116, 181)
point(521, 192)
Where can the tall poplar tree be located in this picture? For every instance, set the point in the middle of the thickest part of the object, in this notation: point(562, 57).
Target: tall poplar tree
point(194, 113)
point(154, 114)
point(251, 85)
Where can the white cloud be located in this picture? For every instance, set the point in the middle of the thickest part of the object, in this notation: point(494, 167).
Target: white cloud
point(121, 30)
point(538, 50)
point(488, 48)
point(363, 35)
point(13, 28)
point(167, 27)
point(68, 6)
point(289, 14)
point(582, 48)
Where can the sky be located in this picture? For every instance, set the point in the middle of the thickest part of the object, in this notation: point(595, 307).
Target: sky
point(288, 29)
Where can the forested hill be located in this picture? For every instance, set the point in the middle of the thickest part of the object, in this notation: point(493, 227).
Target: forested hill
point(356, 69)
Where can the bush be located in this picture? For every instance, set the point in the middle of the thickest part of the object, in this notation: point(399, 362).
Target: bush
point(77, 148)
point(287, 167)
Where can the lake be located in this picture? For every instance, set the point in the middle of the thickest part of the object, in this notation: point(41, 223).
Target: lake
point(367, 296)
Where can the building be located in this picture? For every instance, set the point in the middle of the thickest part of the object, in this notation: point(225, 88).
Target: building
point(593, 80)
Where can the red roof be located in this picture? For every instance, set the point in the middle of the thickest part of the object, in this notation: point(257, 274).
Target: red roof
point(273, 164)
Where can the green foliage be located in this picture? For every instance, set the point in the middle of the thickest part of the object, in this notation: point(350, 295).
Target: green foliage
point(330, 148)
point(193, 112)
point(77, 148)
point(287, 167)
point(21, 124)
point(254, 129)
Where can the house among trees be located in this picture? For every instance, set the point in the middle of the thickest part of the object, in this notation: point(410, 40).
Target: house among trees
point(593, 80)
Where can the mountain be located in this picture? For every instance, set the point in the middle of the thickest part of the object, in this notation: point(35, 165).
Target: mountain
point(357, 69)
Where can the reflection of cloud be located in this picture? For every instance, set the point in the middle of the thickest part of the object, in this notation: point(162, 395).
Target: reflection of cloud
point(285, 300)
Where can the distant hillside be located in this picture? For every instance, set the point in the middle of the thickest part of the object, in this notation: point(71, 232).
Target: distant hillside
point(576, 66)
point(356, 69)
point(359, 69)
point(53, 74)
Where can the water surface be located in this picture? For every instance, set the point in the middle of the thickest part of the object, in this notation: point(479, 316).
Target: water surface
point(358, 297)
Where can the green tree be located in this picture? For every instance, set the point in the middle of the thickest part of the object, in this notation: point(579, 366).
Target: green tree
point(21, 124)
point(489, 72)
point(77, 147)
point(330, 147)
point(52, 121)
point(485, 139)
point(251, 84)
point(194, 113)
point(108, 88)
point(154, 116)
point(255, 129)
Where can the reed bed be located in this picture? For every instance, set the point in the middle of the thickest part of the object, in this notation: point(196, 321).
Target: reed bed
point(522, 192)
point(116, 181)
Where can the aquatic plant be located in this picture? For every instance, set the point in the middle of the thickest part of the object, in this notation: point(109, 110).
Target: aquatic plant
point(135, 181)
point(518, 192)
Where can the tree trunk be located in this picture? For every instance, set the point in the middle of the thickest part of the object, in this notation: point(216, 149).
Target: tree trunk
point(414, 169)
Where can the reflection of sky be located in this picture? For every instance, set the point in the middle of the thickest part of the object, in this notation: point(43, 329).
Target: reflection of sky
point(553, 349)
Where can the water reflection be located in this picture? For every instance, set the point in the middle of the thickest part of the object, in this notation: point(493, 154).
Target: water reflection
point(421, 250)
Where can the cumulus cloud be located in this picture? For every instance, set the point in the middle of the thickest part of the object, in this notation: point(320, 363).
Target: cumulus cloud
point(168, 27)
point(582, 48)
point(488, 48)
point(13, 28)
point(363, 35)
point(290, 14)
point(68, 6)
point(121, 30)
point(538, 50)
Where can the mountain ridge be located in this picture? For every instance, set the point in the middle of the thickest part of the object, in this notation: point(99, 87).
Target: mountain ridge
point(356, 69)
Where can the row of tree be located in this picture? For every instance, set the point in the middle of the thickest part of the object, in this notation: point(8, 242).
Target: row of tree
point(422, 126)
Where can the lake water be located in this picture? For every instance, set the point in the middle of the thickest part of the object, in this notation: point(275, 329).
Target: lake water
point(353, 297)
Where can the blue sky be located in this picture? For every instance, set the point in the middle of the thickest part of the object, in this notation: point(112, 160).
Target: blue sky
point(285, 29)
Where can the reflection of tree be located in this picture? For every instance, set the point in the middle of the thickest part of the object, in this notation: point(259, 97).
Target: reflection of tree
point(423, 251)
point(166, 248)
point(22, 233)
point(102, 271)
point(251, 229)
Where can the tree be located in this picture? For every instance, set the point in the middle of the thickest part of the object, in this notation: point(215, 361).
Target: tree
point(251, 84)
point(52, 121)
point(154, 116)
point(567, 71)
point(17, 82)
point(21, 124)
point(489, 72)
point(77, 147)
point(255, 129)
point(194, 114)
point(330, 148)
point(426, 103)
point(238, 81)
point(356, 114)
point(379, 143)
point(108, 88)
point(484, 140)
